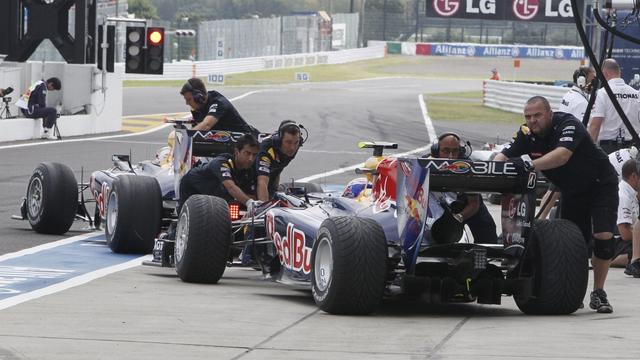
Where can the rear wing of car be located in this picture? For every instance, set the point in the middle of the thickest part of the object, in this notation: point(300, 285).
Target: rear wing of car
point(417, 177)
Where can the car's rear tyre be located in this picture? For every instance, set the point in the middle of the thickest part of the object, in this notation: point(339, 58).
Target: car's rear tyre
point(308, 186)
point(558, 266)
point(203, 239)
point(52, 198)
point(349, 266)
point(133, 214)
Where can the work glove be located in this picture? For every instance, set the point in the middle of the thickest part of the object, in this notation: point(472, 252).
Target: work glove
point(253, 206)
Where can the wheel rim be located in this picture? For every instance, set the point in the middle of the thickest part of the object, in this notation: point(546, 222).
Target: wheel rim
point(182, 235)
point(112, 212)
point(323, 265)
point(34, 197)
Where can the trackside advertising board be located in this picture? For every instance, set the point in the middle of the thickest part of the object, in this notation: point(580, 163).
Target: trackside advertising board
point(556, 11)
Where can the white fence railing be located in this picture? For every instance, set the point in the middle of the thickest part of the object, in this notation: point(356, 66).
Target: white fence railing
point(186, 69)
point(511, 96)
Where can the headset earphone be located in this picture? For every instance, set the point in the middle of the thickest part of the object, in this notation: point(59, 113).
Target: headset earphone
point(580, 78)
point(435, 147)
point(286, 124)
point(198, 95)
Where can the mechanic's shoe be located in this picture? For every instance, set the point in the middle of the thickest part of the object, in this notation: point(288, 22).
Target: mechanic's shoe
point(45, 134)
point(599, 302)
point(633, 268)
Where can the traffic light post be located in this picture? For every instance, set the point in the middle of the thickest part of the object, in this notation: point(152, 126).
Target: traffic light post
point(180, 33)
point(144, 47)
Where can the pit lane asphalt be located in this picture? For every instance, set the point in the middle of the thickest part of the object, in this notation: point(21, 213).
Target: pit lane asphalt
point(149, 313)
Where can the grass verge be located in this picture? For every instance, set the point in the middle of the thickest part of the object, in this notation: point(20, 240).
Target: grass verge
point(466, 106)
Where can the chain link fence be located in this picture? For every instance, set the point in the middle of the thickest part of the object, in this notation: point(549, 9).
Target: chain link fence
point(227, 39)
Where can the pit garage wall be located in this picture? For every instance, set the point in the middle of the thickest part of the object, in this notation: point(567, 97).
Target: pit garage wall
point(482, 50)
point(86, 108)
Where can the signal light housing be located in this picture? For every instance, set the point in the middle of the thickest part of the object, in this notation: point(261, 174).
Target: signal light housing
point(154, 63)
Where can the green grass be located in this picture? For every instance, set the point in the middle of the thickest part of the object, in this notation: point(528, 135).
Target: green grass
point(444, 107)
point(319, 73)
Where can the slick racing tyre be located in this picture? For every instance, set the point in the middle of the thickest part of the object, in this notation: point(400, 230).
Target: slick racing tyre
point(203, 239)
point(349, 266)
point(52, 198)
point(133, 215)
point(558, 266)
point(308, 186)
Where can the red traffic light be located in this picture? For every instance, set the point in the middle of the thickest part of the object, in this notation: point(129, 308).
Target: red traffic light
point(155, 37)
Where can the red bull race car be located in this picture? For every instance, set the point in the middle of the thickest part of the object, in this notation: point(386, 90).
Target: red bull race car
point(392, 237)
point(134, 202)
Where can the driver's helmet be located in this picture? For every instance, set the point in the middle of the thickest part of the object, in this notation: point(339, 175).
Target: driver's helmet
point(355, 187)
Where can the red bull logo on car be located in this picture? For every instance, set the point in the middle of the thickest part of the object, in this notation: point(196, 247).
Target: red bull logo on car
point(293, 252)
point(218, 136)
point(458, 167)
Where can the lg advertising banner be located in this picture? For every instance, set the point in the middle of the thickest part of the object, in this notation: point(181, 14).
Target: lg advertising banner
point(513, 10)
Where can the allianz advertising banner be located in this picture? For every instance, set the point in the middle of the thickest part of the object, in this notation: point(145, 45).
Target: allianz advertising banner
point(513, 10)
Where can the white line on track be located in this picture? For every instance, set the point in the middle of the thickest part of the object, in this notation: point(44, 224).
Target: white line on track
point(41, 143)
point(73, 282)
point(432, 137)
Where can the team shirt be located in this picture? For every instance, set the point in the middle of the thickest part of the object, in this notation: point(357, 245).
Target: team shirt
point(270, 161)
point(612, 126)
point(619, 157)
point(222, 168)
point(587, 165)
point(221, 108)
point(628, 205)
point(574, 102)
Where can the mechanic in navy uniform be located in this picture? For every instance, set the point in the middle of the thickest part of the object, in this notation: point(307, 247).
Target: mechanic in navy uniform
point(226, 176)
point(475, 213)
point(606, 126)
point(212, 111)
point(276, 152)
point(565, 153)
point(33, 104)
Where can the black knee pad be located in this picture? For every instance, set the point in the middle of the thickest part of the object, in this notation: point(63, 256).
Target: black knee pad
point(604, 249)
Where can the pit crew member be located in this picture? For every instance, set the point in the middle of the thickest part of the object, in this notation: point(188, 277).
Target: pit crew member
point(565, 153)
point(226, 176)
point(627, 212)
point(576, 100)
point(606, 126)
point(276, 152)
point(475, 213)
point(212, 111)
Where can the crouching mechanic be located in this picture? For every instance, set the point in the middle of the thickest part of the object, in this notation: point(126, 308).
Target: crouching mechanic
point(562, 149)
point(226, 176)
point(475, 213)
point(276, 152)
point(627, 212)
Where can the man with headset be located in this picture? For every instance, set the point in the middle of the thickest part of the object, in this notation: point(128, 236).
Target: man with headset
point(606, 126)
point(227, 176)
point(576, 100)
point(211, 110)
point(475, 213)
point(276, 152)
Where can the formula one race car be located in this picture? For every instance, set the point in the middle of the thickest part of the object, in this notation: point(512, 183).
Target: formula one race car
point(395, 236)
point(136, 202)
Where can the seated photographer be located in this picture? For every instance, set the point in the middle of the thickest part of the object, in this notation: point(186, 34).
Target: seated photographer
point(474, 212)
point(33, 104)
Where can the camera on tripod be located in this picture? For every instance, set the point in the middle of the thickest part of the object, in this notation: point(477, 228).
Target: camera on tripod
point(5, 112)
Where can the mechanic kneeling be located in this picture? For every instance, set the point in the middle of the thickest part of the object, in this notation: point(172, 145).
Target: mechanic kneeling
point(475, 213)
point(562, 149)
point(226, 176)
